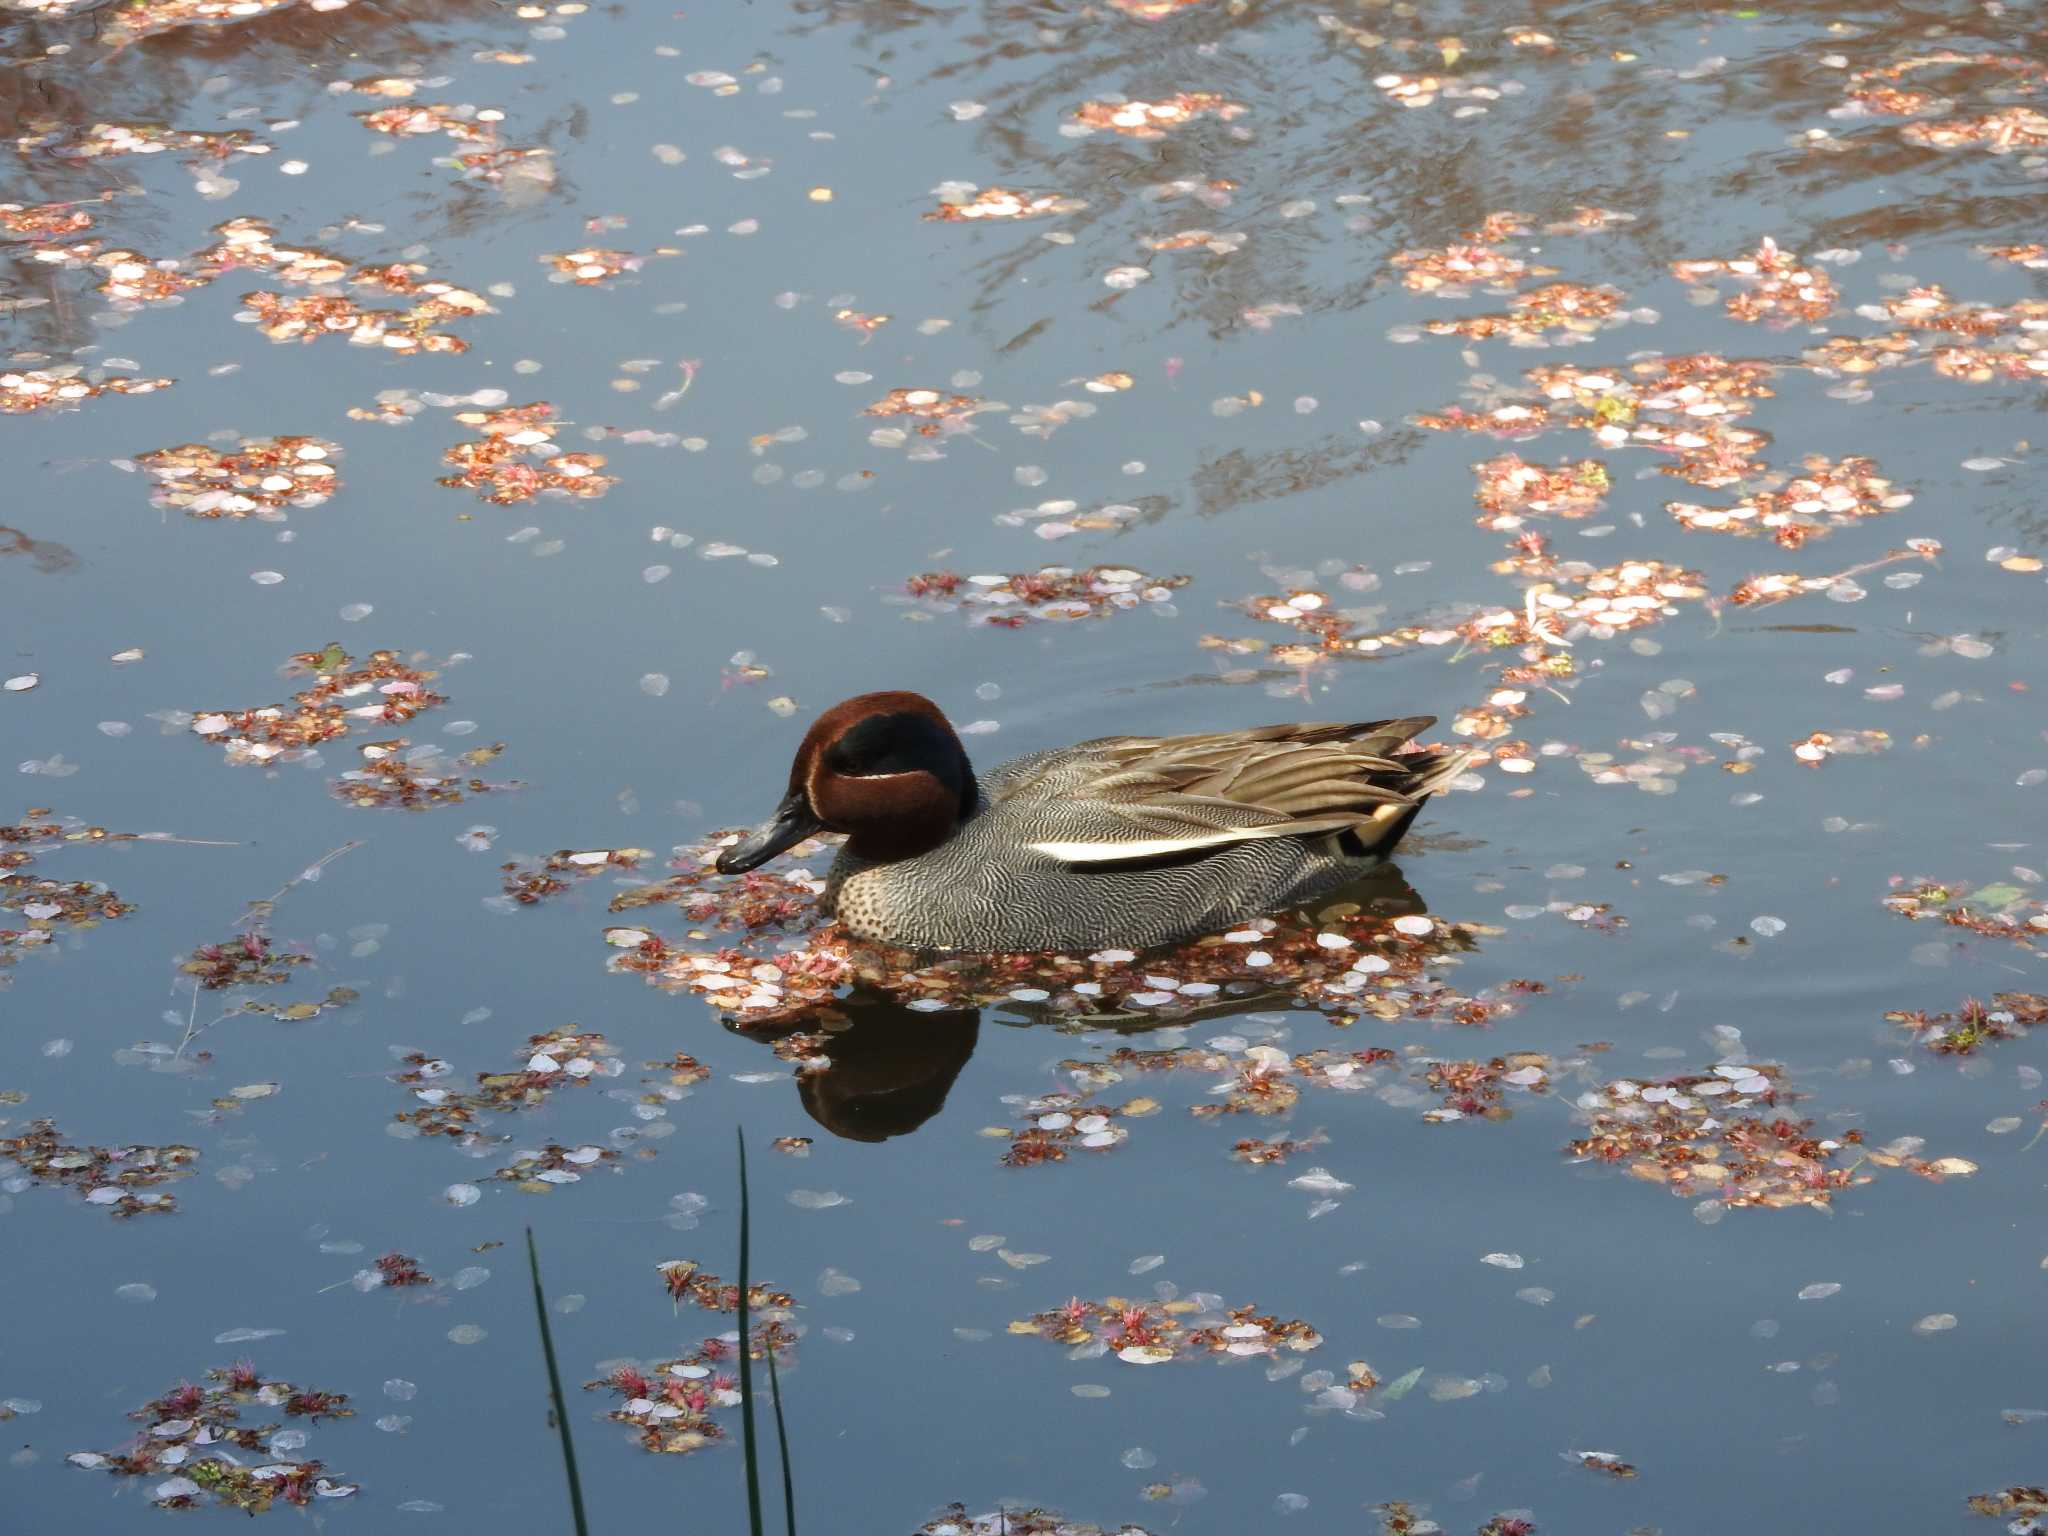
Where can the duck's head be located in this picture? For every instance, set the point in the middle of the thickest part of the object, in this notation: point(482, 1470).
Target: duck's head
point(884, 768)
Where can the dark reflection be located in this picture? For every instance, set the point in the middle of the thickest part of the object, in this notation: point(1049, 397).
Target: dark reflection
point(891, 1066)
point(48, 556)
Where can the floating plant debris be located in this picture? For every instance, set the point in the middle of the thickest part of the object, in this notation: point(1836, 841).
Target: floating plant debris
point(1973, 1025)
point(669, 1404)
point(1057, 1123)
point(381, 691)
point(1995, 911)
point(559, 1057)
point(683, 1069)
point(532, 882)
point(397, 776)
point(280, 318)
point(1689, 1133)
point(538, 1172)
point(1508, 488)
point(1479, 1089)
point(1777, 287)
point(2023, 1504)
point(1154, 119)
point(246, 960)
point(48, 907)
point(47, 221)
point(954, 1520)
point(191, 1436)
point(1456, 268)
point(1998, 133)
point(121, 1179)
point(103, 141)
point(1051, 592)
point(257, 478)
point(591, 265)
point(398, 1269)
point(686, 1280)
point(41, 389)
point(466, 125)
point(1555, 306)
point(517, 458)
point(929, 405)
point(1260, 1153)
point(1605, 1462)
point(133, 279)
point(963, 204)
point(1829, 495)
point(1930, 308)
point(1151, 1333)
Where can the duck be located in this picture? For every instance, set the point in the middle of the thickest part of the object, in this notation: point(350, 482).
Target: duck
point(1135, 842)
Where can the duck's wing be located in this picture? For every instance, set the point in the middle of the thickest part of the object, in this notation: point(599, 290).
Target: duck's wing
point(1126, 798)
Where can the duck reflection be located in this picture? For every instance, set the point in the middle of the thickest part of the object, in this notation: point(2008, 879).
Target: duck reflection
point(890, 1066)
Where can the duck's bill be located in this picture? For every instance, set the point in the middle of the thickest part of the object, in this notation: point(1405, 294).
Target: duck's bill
point(792, 822)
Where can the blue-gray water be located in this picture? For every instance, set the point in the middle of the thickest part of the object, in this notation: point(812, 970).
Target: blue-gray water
point(909, 1393)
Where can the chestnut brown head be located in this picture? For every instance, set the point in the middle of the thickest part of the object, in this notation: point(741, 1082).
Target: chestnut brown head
point(884, 768)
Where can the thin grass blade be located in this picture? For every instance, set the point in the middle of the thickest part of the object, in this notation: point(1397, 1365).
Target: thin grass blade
point(754, 1521)
point(547, 1348)
point(782, 1445)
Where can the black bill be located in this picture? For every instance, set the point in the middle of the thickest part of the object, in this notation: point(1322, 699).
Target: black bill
point(792, 822)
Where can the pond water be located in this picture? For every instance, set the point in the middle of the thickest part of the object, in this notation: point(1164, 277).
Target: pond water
point(1609, 1146)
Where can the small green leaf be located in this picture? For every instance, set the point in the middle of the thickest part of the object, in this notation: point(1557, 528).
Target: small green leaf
point(1401, 1386)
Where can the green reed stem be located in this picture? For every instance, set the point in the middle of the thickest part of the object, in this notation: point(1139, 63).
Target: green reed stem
point(782, 1444)
point(754, 1522)
point(547, 1348)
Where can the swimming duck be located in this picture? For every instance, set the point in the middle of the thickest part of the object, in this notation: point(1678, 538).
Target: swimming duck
point(1126, 840)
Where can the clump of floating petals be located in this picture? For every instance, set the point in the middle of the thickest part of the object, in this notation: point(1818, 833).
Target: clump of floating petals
point(1001, 203)
point(382, 690)
point(1151, 1333)
point(132, 278)
point(590, 265)
point(1555, 306)
point(517, 458)
point(1057, 1123)
point(1829, 495)
point(103, 141)
point(530, 882)
point(561, 1057)
point(121, 1179)
point(1454, 268)
point(2023, 1505)
point(954, 1520)
point(1777, 287)
point(1973, 1025)
point(406, 331)
point(1691, 1134)
point(47, 221)
point(1509, 487)
point(1998, 133)
point(931, 406)
point(41, 389)
point(194, 1438)
point(1997, 911)
point(397, 776)
point(686, 1280)
point(1052, 592)
point(1154, 119)
point(257, 478)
